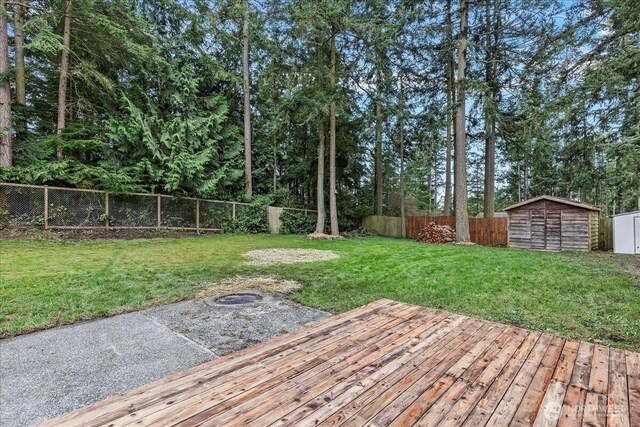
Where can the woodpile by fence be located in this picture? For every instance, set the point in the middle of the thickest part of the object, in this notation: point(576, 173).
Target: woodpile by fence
point(484, 231)
point(437, 234)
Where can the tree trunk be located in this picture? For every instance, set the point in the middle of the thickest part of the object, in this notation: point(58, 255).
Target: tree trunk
point(378, 147)
point(490, 119)
point(64, 76)
point(449, 116)
point(320, 184)
point(248, 188)
point(18, 21)
point(6, 149)
point(462, 215)
point(322, 214)
point(333, 208)
point(19, 11)
point(403, 214)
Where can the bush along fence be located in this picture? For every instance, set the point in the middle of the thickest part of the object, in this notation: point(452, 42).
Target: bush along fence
point(73, 208)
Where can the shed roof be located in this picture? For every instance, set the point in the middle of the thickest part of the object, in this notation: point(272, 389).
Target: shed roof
point(626, 213)
point(557, 200)
point(495, 215)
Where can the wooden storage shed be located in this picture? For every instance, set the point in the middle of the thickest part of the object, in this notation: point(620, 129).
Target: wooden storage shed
point(554, 224)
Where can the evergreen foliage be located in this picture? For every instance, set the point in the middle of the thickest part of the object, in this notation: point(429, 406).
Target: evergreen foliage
point(297, 222)
point(154, 101)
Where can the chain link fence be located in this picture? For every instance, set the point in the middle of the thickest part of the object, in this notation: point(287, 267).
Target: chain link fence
point(70, 208)
point(22, 205)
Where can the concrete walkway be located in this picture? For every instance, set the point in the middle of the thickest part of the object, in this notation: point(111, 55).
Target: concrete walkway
point(48, 373)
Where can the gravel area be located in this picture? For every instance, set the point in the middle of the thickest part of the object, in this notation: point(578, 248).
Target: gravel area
point(266, 257)
point(48, 373)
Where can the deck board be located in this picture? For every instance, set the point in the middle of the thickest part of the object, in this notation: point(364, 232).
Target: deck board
point(389, 363)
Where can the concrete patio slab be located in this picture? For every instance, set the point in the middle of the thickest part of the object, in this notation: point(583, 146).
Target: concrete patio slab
point(48, 373)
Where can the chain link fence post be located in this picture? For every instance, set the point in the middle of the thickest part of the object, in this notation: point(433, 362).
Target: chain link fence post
point(198, 216)
point(106, 209)
point(159, 211)
point(46, 207)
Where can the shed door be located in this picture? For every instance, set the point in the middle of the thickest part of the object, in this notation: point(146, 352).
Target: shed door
point(554, 230)
point(636, 222)
point(538, 229)
point(574, 230)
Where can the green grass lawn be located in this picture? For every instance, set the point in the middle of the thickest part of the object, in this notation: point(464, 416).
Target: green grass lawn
point(591, 296)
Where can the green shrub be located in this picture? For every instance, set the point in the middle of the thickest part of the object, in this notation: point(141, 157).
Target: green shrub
point(250, 219)
point(297, 222)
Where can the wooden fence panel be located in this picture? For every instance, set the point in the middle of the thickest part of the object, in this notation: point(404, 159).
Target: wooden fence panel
point(415, 224)
point(605, 234)
point(483, 231)
point(489, 231)
point(389, 226)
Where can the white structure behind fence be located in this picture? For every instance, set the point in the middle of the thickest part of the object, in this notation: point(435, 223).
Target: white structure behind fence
point(626, 233)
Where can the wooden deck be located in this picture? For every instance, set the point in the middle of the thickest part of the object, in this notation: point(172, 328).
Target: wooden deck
point(394, 364)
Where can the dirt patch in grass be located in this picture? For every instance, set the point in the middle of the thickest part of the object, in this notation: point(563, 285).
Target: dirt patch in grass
point(236, 284)
point(266, 257)
point(323, 236)
point(630, 263)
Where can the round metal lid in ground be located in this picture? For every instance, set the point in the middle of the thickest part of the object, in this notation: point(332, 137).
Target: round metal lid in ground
point(239, 298)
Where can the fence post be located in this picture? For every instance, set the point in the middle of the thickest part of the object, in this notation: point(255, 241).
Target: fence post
point(198, 216)
point(159, 218)
point(233, 210)
point(106, 209)
point(46, 207)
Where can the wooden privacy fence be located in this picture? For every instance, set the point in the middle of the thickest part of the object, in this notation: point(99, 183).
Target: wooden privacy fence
point(483, 231)
point(605, 237)
point(389, 226)
point(274, 216)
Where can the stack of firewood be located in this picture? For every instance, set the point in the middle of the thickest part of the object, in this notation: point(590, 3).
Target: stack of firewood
point(437, 234)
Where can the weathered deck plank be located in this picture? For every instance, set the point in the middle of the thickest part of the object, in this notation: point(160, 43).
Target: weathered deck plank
point(390, 363)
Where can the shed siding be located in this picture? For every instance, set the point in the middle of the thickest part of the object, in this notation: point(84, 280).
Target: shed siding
point(538, 228)
point(554, 221)
point(520, 229)
point(550, 225)
point(595, 229)
point(575, 229)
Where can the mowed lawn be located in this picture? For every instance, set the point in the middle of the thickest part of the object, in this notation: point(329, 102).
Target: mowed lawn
point(590, 296)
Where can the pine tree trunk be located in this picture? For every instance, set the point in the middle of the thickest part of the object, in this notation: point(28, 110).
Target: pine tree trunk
point(19, 11)
point(378, 147)
point(6, 149)
point(448, 121)
point(320, 184)
point(18, 21)
point(490, 120)
point(248, 187)
point(403, 213)
point(64, 76)
point(333, 207)
point(462, 215)
point(322, 214)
